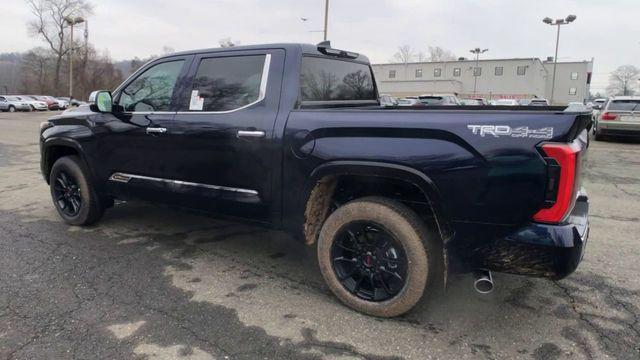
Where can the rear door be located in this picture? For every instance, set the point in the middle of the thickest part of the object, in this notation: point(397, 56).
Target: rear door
point(220, 144)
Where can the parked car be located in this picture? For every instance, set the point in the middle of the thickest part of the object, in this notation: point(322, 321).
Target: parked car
point(388, 100)
point(597, 106)
point(438, 99)
point(12, 103)
point(62, 104)
point(473, 102)
point(507, 102)
point(538, 102)
point(71, 102)
point(524, 102)
point(619, 117)
point(396, 199)
point(34, 104)
point(407, 101)
point(51, 103)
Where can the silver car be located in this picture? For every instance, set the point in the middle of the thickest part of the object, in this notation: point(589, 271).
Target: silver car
point(13, 104)
point(620, 116)
point(35, 104)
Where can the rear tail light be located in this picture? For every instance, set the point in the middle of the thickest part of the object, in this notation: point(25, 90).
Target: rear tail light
point(562, 187)
point(608, 116)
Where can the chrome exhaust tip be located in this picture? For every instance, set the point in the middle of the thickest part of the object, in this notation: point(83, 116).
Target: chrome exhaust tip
point(483, 282)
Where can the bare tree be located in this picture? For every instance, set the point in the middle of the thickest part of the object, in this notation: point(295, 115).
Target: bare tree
point(436, 53)
point(50, 25)
point(623, 80)
point(404, 55)
point(421, 57)
point(36, 65)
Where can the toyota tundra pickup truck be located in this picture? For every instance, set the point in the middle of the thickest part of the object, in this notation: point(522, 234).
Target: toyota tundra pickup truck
point(292, 136)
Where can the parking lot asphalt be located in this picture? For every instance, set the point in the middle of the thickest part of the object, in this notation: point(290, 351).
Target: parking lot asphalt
point(159, 283)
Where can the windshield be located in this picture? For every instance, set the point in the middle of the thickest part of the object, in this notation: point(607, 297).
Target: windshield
point(625, 105)
point(325, 79)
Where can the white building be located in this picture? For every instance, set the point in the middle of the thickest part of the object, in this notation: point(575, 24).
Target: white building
point(496, 79)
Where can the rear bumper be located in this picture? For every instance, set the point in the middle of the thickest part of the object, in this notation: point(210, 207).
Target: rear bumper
point(542, 250)
point(619, 128)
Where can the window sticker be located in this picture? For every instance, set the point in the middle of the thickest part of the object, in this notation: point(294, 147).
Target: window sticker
point(197, 102)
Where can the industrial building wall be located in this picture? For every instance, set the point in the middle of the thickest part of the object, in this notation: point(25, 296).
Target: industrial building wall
point(498, 78)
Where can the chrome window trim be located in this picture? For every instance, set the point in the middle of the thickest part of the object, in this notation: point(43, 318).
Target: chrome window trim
point(125, 178)
point(262, 94)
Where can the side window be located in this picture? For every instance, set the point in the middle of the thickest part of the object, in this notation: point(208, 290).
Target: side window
point(456, 71)
point(392, 74)
point(499, 70)
point(521, 70)
point(437, 72)
point(227, 83)
point(153, 89)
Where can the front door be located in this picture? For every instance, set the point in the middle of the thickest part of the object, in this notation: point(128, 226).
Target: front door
point(131, 140)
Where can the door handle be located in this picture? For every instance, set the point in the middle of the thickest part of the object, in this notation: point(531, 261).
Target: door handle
point(156, 130)
point(250, 134)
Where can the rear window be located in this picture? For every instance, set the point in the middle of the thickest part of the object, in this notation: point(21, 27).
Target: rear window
point(624, 105)
point(431, 100)
point(324, 79)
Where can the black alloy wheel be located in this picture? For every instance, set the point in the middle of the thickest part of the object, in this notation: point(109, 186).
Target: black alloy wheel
point(368, 261)
point(67, 194)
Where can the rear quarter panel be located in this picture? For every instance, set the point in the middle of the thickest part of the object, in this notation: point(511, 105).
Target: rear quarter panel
point(491, 180)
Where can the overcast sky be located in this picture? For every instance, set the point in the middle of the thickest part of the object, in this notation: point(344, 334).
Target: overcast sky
point(608, 31)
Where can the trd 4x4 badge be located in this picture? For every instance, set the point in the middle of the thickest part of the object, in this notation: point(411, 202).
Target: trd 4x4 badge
point(505, 130)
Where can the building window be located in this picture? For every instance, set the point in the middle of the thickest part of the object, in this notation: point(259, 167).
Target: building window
point(499, 70)
point(392, 74)
point(477, 71)
point(574, 76)
point(418, 73)
point(573, 91)
point(437, 72)
point(522, 70)
point(456, 71)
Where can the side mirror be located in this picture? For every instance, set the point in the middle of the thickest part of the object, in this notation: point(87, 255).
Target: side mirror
point(101, 101)
point(596, 107)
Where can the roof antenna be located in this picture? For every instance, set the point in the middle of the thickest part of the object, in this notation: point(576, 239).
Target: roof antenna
point(325, 44)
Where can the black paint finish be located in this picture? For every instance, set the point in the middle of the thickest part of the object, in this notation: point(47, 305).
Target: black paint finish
point(482, 189)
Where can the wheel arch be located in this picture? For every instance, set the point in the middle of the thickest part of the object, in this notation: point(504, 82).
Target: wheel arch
point(55, 148)
point(322, 185)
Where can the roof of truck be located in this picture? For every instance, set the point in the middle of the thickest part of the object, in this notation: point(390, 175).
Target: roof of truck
point(303, 48)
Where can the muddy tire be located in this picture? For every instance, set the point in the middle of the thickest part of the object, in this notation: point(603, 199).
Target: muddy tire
point(383, 269)
point(72, 192)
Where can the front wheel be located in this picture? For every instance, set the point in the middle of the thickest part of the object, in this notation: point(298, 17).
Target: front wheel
point(73, 195)
point(375, 256)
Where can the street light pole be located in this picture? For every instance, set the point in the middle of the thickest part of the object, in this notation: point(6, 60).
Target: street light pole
point(326, 18)
point(477, 52)
point(71, 22)
point(558, 23)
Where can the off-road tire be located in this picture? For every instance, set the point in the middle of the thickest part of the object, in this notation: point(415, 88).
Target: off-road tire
point(91, 207)
point(410, 231)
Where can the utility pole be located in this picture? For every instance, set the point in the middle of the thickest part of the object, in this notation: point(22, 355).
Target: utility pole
point(326, 18)
point(477, 52)
point(558, 22)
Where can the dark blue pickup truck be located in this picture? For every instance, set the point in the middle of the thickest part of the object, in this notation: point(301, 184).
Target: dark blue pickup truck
point(293, 136)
